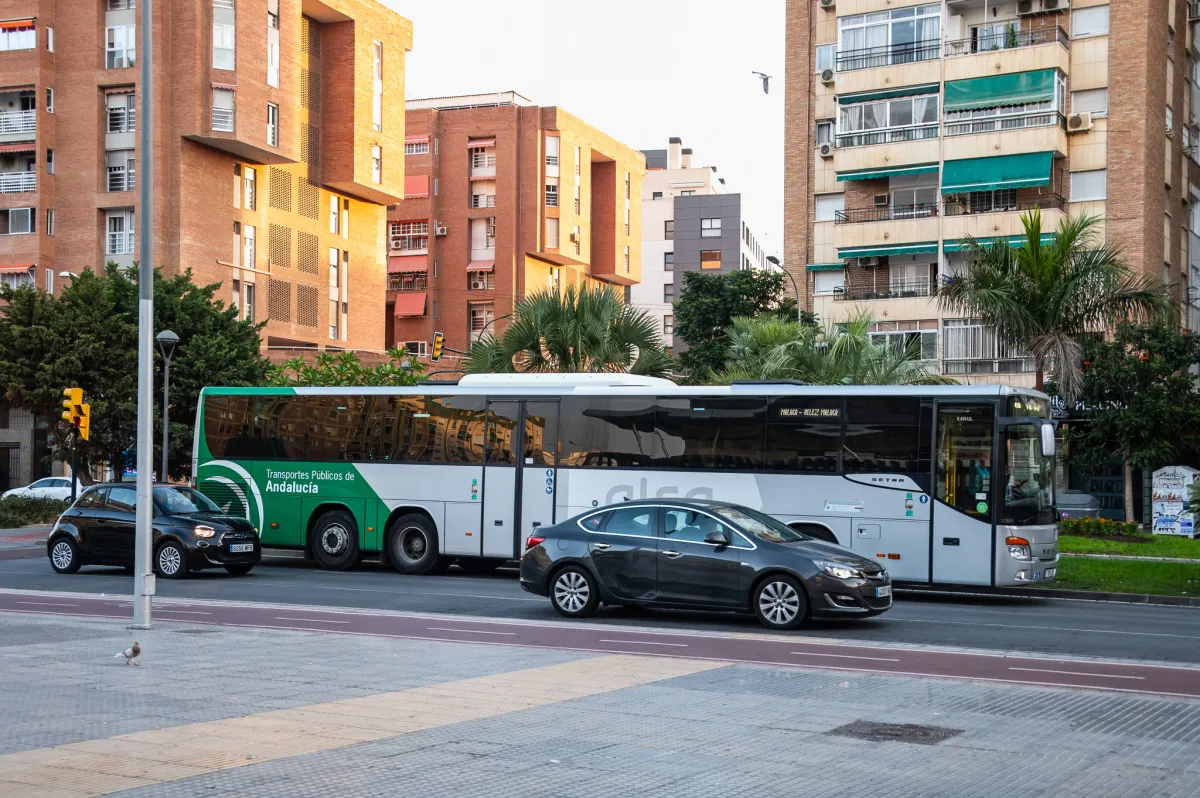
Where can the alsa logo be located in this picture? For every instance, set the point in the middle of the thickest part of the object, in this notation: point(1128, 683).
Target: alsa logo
point(626, 492)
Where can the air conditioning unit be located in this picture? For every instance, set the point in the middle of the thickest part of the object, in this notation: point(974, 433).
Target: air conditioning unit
point(1079, 123)
point(1028, 6)
point(880, 200)
point(827, 3)
point(1170, 133)
point(827, 76)
point(1055, 5)
point(478, 282)
point(440, 231)
point(574, 238)
point(868, 261)
point(826, 150)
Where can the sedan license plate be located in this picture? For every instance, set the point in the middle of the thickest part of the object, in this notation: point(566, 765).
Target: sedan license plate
point(240, 548)
point(883, 592)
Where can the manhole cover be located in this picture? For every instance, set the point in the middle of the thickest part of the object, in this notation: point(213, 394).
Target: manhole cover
point(896, 732)
point(195, 631)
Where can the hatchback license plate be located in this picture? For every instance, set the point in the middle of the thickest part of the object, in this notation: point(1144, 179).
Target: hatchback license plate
point(240, 548)
point(883, 592)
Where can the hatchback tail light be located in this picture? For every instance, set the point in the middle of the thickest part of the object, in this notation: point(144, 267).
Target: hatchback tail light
point(534, 540)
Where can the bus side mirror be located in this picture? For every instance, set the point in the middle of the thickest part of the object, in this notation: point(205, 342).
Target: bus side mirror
point(1047, 440)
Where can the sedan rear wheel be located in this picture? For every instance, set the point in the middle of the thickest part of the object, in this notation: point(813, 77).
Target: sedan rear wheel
point(780, 603)
point(573, 592)
point(64, 556)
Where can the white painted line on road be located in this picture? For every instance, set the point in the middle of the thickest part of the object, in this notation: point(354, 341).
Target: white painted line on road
point(47, 604)
point(644, 643)
point(892, 619)
point(1080, 673)
point(843, 656)
point(467, 631)
point(308, 620)
point(182, 612)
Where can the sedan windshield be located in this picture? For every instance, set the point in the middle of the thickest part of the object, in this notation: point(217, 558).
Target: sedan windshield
point(183, 501)
point(760, 525)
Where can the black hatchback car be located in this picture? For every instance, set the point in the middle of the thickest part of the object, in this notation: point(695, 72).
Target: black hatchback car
point(699, 555)
point(190, 533)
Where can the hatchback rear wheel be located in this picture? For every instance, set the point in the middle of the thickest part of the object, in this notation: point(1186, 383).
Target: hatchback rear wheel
point(780, 603)
point(573, 592)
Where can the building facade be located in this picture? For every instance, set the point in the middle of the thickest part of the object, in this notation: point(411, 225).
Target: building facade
point(689, 223)
point(503, 199)
point(278, 135)
point(911, 125)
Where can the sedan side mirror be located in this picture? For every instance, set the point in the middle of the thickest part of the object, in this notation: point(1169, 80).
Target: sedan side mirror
point(717, 538)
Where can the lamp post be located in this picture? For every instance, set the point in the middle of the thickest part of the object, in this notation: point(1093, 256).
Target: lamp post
point(799, 310)
point(166, 344)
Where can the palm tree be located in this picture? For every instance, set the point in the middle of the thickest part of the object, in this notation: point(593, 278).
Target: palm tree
point(1044, 297)
point(584, 330)
point(771, 347)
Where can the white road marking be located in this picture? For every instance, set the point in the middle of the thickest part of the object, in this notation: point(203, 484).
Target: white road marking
point(1079, 673)
point(47, 604)
point(307, 620)
point(893, 619)
point(181, 612)
point(644, 643)
point(467, 631)
point(842, 656)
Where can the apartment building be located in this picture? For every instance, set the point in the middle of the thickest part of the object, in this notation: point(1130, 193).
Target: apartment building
point(911, 125)
point(503, 198)
point(278, 134)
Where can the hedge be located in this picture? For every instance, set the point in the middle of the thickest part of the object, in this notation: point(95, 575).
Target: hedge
point(18, 511)
point(1089, 527)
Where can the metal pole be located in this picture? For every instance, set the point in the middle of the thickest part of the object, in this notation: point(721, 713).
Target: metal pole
point(143, 579)
point(162, 475)
point(74, 460)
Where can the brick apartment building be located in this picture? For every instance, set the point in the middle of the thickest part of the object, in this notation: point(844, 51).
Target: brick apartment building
point(279, 136)
point(502, 199)
point(911, 125)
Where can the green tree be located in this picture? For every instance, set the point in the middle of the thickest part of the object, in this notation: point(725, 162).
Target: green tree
point(773, 348)
point(1045, 297)
point(710, 303)
point(1140, 399)
point(584, 330)
point(87, 336)
point(345, 369)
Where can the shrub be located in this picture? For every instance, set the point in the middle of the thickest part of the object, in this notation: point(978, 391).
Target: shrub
point(1089, 527)
point(19, 511)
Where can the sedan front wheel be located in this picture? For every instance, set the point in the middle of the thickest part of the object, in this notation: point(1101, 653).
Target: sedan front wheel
point(780, 603)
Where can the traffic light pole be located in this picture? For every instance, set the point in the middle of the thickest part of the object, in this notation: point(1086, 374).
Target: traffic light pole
point(74, 460)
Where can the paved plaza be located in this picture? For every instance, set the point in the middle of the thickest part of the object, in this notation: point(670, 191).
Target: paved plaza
point(220, 712)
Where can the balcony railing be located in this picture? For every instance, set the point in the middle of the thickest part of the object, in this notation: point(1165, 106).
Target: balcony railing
point(895, 289)
point(1009, 40)
point(891, 135)
point(483, 200)
point(992, 124)
point(222, 120)
point(18, 122)
point(990, 203)
point(409, 243)
point(121, 179)
point(17, 182)
point(889, 55)
point(920, 211)
point(119, 244)
point(989, 366)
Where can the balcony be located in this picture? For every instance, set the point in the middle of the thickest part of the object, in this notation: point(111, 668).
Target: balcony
point(222, 120)
point(1009, 40)
point(999, 122)
point(483, 165)
point(890, 135)
point(18, 125)
point(483, 201)
point(890, 213)
point(890, 55)
point(994, 203)
point(17, 182)
point(900, 288)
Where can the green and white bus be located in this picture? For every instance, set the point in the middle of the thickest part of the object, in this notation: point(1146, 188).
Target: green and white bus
point(942, 484)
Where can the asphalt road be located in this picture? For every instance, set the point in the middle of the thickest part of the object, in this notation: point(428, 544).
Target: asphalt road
point(1047, 627)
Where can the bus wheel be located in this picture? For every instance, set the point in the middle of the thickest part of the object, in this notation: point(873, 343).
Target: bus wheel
point(334, 541)
point(413, 546)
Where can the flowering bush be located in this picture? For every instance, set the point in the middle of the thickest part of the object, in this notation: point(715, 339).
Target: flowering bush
point(1089, 527)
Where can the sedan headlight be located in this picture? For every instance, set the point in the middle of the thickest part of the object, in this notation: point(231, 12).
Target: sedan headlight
point(204, 531)
point(838, 570)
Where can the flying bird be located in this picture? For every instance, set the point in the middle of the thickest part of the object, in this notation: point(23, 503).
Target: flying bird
point(766, 81)
point(130, 654)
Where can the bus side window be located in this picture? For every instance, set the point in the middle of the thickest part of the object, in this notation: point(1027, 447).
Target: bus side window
point(883, 434)
point(803, 434)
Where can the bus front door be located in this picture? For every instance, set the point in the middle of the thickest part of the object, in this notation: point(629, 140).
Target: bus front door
point(518, 474)
point(962, 514)
point(538, 464)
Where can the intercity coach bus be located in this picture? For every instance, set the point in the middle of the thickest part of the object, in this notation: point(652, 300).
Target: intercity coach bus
point(941, 484)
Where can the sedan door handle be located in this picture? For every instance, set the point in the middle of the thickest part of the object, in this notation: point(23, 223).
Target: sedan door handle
point(672, 553)
point(602, 545)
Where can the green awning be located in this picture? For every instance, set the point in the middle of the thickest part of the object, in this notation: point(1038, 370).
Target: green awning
point(895, 171)
point(1001, 171)
point(825, 267)
point(1018, 87)
point(871, 96)
point(878, 250)
point(1012, 241)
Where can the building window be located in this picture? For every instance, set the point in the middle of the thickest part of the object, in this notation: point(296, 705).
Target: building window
point(578, 160)
point(223, 45)
point(416, 147)
point(551, 233)
point(49, 281)
point(273, 44)
point(409, 236)
point(885, 121)
point(272, 124)
point(826, 57)
point(552, 143)
point(345, 218)
point(575, 239)
point(16, 221)
point(668, 292)
point(335, 215)
point(50, 222)
point(656, 195)
point(18, 35)
point(481, 317)
point(49, 100)
point(691, 192)
point(119, 240)
point(831, 281)
point(668, 261)
point(551, 192)
point(50, 39)
point(248, 302)
point(627, 259)
point(377, 90)
point(250, 188)
point(122, 113)
point(828, 206)
point(1089, 185)
point(335, 292)
point(1092, 101)
point(710, 228)
point(577, 198)
point(120, 170)
point(120, 48)
point(668, 325)
point(669, 230)
point(222, 110)
point(249, 252)
point(710, 259)
point(481, 281)
point(884, 38)
point(627, 186)
point(1089, 22)
point(923, 343)
point(627, 217)
point(377, 163)
point(49, 161)
point(824, 132)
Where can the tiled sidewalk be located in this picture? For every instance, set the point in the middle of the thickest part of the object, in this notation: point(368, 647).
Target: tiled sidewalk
point(216, 711)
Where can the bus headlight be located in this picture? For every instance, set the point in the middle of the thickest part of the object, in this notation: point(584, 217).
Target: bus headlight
point(1018, 548)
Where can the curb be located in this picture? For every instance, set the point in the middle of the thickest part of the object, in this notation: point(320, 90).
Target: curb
point(1130, 557)
point(1078, 595)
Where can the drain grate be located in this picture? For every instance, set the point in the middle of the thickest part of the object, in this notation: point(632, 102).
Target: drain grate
point(896, 732)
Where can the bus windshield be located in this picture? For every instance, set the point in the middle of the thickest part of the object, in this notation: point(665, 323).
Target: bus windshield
point(1028, 496)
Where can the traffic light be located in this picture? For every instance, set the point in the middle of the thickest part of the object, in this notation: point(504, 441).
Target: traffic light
point(438, 341)
point(72, 405)
point(85, 421)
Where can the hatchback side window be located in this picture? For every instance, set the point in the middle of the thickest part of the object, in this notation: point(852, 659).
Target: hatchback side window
point(123, 500)
point(631, 521)
point(689, 526)
point(92, 499)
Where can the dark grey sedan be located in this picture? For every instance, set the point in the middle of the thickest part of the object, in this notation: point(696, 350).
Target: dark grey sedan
point(697, 555)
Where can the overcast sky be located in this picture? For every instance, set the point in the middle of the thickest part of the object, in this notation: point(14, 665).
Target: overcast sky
point(640, 70)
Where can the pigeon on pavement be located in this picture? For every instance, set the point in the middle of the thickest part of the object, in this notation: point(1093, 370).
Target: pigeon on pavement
point(130, 654)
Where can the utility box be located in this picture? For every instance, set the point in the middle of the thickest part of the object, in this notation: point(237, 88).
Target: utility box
point(1171, 492)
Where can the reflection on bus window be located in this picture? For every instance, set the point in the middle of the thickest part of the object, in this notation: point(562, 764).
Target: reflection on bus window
point(964, 459)
point(1029, 478)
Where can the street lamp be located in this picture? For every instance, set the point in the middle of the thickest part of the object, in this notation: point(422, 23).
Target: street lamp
point(166, 344)
point(773, 260)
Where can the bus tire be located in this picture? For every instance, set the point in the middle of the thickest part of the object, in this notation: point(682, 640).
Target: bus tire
point(816, 531)
point(334, 541)
point(412, 546)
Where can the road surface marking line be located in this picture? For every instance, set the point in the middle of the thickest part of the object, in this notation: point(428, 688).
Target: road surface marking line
point(142, 759)
point(182, 612)
point(1080, 673)
point(308, 620)
point(842, 656)
point(644, 643)
point(1035, 626)
point(467, 631)
point(47, 604)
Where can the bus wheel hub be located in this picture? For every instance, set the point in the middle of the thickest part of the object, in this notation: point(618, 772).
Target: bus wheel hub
point(334, 539)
